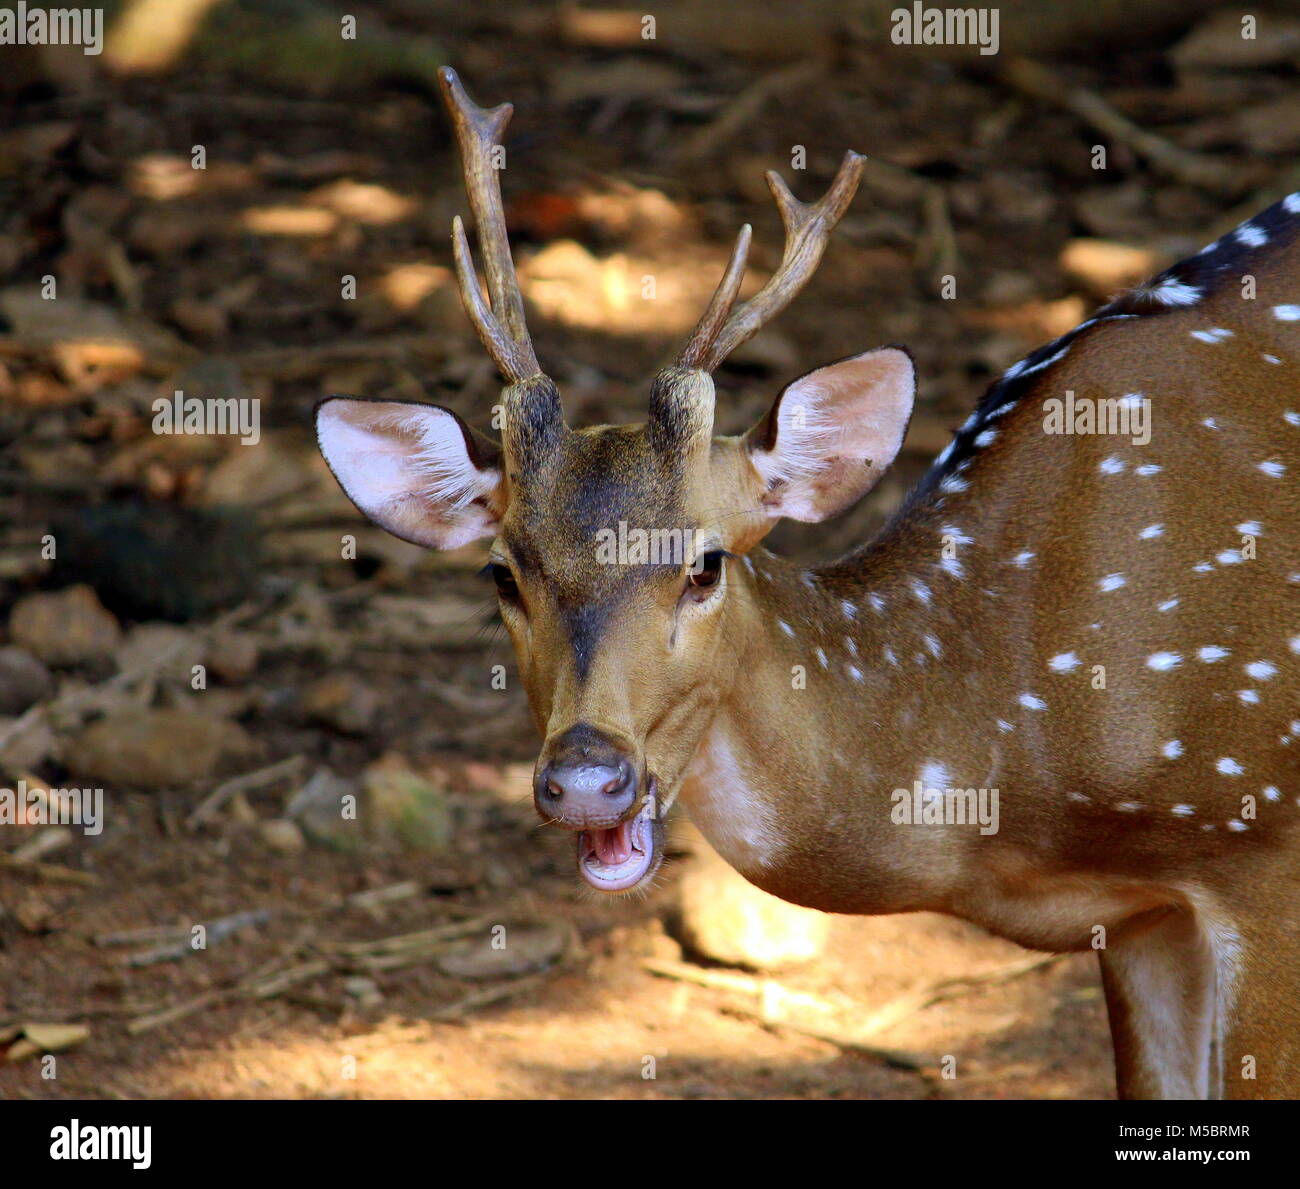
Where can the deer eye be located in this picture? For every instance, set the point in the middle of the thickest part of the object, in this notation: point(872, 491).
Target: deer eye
point(506, 585)
point(707, 570)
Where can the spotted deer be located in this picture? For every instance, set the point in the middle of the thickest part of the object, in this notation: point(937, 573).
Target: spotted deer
point(1101, 631)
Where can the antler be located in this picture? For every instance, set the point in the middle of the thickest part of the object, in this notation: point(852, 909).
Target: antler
point(807, 229)
point(501, 326)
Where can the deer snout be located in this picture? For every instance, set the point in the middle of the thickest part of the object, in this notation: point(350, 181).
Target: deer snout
point(586, 780)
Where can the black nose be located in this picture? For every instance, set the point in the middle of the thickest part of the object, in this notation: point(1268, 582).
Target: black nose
point(589, 781)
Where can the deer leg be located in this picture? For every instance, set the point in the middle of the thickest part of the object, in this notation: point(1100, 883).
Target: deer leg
point(1159, 976)
point(1261, 1043)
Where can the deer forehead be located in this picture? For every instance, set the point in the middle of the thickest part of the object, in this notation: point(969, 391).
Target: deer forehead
point(604, 487)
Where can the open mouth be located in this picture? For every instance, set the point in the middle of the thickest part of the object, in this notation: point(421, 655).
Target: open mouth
point(620, 857)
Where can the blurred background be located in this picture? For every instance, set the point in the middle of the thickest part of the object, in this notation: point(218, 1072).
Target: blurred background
point(304, 738)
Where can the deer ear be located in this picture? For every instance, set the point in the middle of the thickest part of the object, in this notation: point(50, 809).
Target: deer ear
point(831, 434)
point(416, 470)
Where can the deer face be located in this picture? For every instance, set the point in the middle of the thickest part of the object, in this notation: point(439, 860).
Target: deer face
point(612, 547)
point(612, 553)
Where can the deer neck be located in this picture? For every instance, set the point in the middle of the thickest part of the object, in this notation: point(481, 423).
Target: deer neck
point(853, 681)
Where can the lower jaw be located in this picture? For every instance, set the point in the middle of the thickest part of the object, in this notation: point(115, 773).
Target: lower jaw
point(646, 836)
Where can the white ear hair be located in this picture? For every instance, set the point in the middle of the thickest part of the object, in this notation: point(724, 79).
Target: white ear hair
point(806, 434)
point(408, 468)
point(833, 433)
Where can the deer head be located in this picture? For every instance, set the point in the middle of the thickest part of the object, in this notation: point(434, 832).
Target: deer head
point(611, 545)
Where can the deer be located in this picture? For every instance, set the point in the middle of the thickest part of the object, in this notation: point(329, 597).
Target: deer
point(1103, 631)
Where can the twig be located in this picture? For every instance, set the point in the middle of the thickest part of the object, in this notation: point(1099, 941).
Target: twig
point(49, 872)
point(214, 932)
point(1165, 157)
point(477, 1000)
point(746, 107)
point(250, 781)
point(771, 993)
point(895, 1058)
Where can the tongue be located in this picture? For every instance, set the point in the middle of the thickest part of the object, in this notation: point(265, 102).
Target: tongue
point(613, 846)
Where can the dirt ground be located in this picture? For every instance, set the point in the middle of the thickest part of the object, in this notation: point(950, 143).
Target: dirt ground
point(369, 671)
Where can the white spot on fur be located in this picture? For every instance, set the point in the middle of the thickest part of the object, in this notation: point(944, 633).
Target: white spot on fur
point(1162, 662)
point(1064, 662)
point(1229, 767)
point(1152, 531)
point(1261, 670)
point(1173, 292)
point(1112, 582)
point(1212, 652)
point(1273, 469)
point(1167, 605)
point(1172, 750)
point(1287, 313)
point(1032, 702)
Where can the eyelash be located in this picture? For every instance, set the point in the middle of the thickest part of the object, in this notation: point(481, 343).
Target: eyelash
point(505, 582)
point(711, 569)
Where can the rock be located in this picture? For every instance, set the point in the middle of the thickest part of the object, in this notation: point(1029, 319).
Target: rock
point(343, 702)
point(157, 560)
point(405, 805)
point(23, 681)
point(507, 950)
point(233, 656)
point(726, 919)
point(29, 748)
point(325, 810)
point(156, 749)
point(283, 836)
point(64, 627)
point(171, 649)
point(364, 990)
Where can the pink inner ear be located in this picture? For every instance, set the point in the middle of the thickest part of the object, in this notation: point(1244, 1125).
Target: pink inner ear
point(408, 468)
point(838, 429)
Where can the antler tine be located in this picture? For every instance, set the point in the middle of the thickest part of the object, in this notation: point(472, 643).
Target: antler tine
point(807, 230)
point(724, 297)
point(501, 328)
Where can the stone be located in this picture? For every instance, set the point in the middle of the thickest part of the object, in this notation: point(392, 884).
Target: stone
point(164, 647)
point(343, 702)
point(282, 836)
point(724, 918)
point(64, 627)
point(506, 951)
point(233, 656)
point(156, 749)
point(24, 681)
